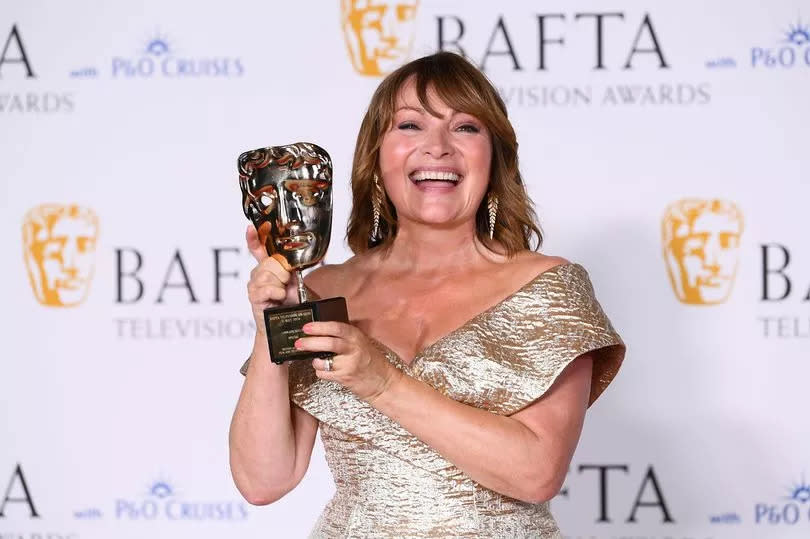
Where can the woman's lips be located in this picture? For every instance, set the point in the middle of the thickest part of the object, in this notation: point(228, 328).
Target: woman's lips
point(435, 180)
point(435, 186)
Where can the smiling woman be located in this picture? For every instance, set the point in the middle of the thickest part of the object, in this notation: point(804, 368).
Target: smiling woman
point(457, 394)
point(448, 92)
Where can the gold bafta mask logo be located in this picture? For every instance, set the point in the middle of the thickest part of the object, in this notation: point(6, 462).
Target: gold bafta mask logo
point(59, 244)
point(701, 244)
point(378, 33)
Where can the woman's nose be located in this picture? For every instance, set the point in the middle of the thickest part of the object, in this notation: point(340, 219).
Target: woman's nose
point(437, 143)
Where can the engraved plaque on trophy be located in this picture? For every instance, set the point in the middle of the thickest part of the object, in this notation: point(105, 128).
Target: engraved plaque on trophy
point(287, 195)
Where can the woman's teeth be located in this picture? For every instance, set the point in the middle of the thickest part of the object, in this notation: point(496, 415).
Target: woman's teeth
point(430, 175)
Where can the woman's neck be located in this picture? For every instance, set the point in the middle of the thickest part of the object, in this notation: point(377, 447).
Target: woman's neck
point(423, 249)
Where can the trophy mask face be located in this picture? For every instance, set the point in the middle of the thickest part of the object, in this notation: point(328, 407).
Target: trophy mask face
point(287, 194)
point(59, 245)
point(378, 33)
point(701, 247)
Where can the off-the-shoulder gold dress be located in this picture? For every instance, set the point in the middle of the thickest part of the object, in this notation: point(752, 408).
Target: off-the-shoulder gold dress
point(389, 483)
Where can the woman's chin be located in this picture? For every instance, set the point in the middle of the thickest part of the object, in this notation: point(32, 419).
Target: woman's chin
point(443, 220)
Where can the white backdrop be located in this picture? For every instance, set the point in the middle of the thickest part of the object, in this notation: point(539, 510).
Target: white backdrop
point(117, 407)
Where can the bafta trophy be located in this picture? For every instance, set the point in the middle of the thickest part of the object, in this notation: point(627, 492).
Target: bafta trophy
point(287, 195)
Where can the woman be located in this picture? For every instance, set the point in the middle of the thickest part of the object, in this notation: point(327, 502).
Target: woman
point(457, 395)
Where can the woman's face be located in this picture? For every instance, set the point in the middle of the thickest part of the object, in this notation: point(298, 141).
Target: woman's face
point(435, 170)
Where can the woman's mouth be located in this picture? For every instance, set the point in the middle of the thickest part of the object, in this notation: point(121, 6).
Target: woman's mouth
point(435, 179)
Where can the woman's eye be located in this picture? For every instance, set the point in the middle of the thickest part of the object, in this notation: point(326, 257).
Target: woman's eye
point(407, 125)
point(469, 128)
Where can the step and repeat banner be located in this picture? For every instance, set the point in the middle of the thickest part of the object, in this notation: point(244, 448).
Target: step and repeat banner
point(665, 145)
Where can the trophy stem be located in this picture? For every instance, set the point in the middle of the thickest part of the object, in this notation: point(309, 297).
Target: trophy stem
point(302, 291)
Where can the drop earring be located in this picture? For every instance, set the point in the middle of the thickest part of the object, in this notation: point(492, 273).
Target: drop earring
point(376, 204)
point(492, 207)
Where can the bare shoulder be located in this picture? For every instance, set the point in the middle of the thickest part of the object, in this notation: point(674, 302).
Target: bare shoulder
point(537, 263)
point(524, 267)
point(326, 279)
point(338, 279)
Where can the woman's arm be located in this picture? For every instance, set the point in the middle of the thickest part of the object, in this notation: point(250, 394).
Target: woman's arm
point(524, 456)
point(270, 439)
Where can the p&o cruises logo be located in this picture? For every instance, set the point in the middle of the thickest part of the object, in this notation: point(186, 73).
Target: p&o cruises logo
point(791, 51)
point(159, 60)
point(792, 512)
point(378, 34)
point(162, 502)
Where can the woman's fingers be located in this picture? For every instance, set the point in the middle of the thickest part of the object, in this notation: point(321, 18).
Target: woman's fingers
point(271, 266)
point(322, 344)
point(320, 370)
point(266, 293)
point(263, 276)
point(282, 262)
point(270, 284)
point(335, 329)
point(355, 364)
point(320, 364)
point(254, 245)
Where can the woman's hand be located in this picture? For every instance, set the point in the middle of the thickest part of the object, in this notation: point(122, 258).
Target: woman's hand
point(270, 284)
point(357, 365)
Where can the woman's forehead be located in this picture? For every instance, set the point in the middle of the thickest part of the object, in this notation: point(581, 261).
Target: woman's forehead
point(407, 98)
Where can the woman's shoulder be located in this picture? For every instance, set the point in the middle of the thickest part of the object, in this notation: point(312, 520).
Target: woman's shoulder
point(546, 273)
point(335, 279)
point(533, 264)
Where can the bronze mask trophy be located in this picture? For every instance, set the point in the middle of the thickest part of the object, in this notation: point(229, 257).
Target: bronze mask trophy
point(287, 194)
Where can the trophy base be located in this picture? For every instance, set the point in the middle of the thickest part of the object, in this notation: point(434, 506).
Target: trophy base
point(284, 325)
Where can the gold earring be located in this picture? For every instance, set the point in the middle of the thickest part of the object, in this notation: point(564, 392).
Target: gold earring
point(492, 206)
point(376, 204)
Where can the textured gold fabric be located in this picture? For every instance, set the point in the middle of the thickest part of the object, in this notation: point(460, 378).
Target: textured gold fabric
point(389, 483)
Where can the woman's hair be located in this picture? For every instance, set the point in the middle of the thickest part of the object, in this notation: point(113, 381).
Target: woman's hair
point(462, 87)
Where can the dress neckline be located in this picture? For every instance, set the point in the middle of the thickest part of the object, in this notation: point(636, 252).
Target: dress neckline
point(425, 349)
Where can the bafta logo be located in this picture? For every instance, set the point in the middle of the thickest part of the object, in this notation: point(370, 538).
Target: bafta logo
point(378, 33)
point(59, 243)
point(701, 240)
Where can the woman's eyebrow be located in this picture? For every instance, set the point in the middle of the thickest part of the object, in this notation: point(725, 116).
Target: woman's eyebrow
point(420, 110)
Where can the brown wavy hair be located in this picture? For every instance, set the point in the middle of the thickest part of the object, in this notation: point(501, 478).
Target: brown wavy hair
point(462, 87)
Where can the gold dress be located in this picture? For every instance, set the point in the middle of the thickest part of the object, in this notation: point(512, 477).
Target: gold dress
point(389, 483)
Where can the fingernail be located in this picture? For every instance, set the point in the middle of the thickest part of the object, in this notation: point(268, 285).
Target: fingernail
point(306, 327)
point(297, 344)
